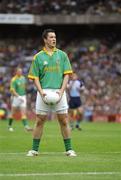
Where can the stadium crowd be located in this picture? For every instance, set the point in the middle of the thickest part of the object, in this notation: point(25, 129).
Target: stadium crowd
point(97, 62)
point(71, 7)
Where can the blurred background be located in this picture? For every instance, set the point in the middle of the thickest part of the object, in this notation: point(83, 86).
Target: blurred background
point(88, 30)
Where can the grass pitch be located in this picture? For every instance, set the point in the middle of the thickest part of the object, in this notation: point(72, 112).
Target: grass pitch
point(98, 147)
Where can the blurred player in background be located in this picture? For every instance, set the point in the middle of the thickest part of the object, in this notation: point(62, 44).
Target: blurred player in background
point(50, 69)
point(18, 100)
point(75, 109)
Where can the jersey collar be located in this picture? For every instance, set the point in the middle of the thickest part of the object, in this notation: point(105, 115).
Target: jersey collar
point(45, 50)
point(16, 76)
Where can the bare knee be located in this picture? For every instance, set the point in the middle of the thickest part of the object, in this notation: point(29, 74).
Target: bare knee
point(40, 120)
point(63, 120)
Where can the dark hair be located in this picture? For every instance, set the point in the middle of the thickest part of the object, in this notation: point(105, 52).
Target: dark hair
point(45, 33)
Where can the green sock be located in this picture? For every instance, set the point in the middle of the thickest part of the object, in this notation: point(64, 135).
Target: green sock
point(10, 121)
point(35, 145)
point(67, 143)
point(25, 122)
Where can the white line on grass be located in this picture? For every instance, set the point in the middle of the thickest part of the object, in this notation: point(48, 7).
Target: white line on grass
point(17, 153)
point(62, 174)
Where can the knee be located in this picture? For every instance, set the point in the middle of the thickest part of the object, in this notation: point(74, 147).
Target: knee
point(64, 122)
point(39, 121)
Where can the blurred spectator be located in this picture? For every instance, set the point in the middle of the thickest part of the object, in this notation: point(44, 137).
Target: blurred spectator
point(98, 7)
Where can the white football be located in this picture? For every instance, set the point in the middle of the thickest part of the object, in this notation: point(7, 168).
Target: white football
point(51, 97)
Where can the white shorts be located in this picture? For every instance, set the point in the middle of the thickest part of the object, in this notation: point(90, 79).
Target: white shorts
point(18, 101)
point(59, 108)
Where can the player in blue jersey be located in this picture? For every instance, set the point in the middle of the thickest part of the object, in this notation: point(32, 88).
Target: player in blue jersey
point(74, 88)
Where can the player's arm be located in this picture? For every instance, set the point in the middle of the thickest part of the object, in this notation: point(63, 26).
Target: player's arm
point(81, 86)
point(34, 75)
point(66, 73)
point(14, 93)
point(38, 86)
point(64, 84)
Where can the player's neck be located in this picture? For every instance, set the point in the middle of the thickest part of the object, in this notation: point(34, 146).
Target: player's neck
point(49, 50)
point(18, 75)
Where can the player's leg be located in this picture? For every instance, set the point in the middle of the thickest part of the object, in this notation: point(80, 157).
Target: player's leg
point(15, 112)
point(10, 122)
point(72, 112)
point(62, 114)
point(24, 119)
point(71, 118)
point(37, 134)
point(65, 131)
point(41, 116)
point(22, 108)
point(79, 117)
point(38, 130)
point(13, 109)
point(11, 119)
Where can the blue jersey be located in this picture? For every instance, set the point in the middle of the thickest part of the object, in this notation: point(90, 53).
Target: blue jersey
point(75, 87)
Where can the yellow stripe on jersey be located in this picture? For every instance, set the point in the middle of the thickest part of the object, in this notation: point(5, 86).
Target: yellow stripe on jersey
point(14, 78)
point(32, 77)
point(68, 72)
point(37, 54)
point(12, 89)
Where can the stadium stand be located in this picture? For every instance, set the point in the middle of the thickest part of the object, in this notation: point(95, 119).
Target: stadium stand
point(99, 7)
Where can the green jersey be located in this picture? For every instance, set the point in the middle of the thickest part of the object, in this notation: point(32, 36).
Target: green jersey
point(18, 84)
point(50, 69)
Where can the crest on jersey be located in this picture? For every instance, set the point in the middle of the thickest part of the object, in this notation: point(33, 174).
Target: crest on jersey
point(45, 63)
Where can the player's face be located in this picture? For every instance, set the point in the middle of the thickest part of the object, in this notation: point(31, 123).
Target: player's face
point(50, 41)
point(75, 77)
point(19, 72)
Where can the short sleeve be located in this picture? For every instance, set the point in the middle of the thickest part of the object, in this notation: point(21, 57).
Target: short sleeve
point(12, 84)
point(67, 65)
point(34, 69)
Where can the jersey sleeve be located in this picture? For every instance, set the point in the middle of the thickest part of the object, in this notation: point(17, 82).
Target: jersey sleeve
point(67, 65)
point(34, 69)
